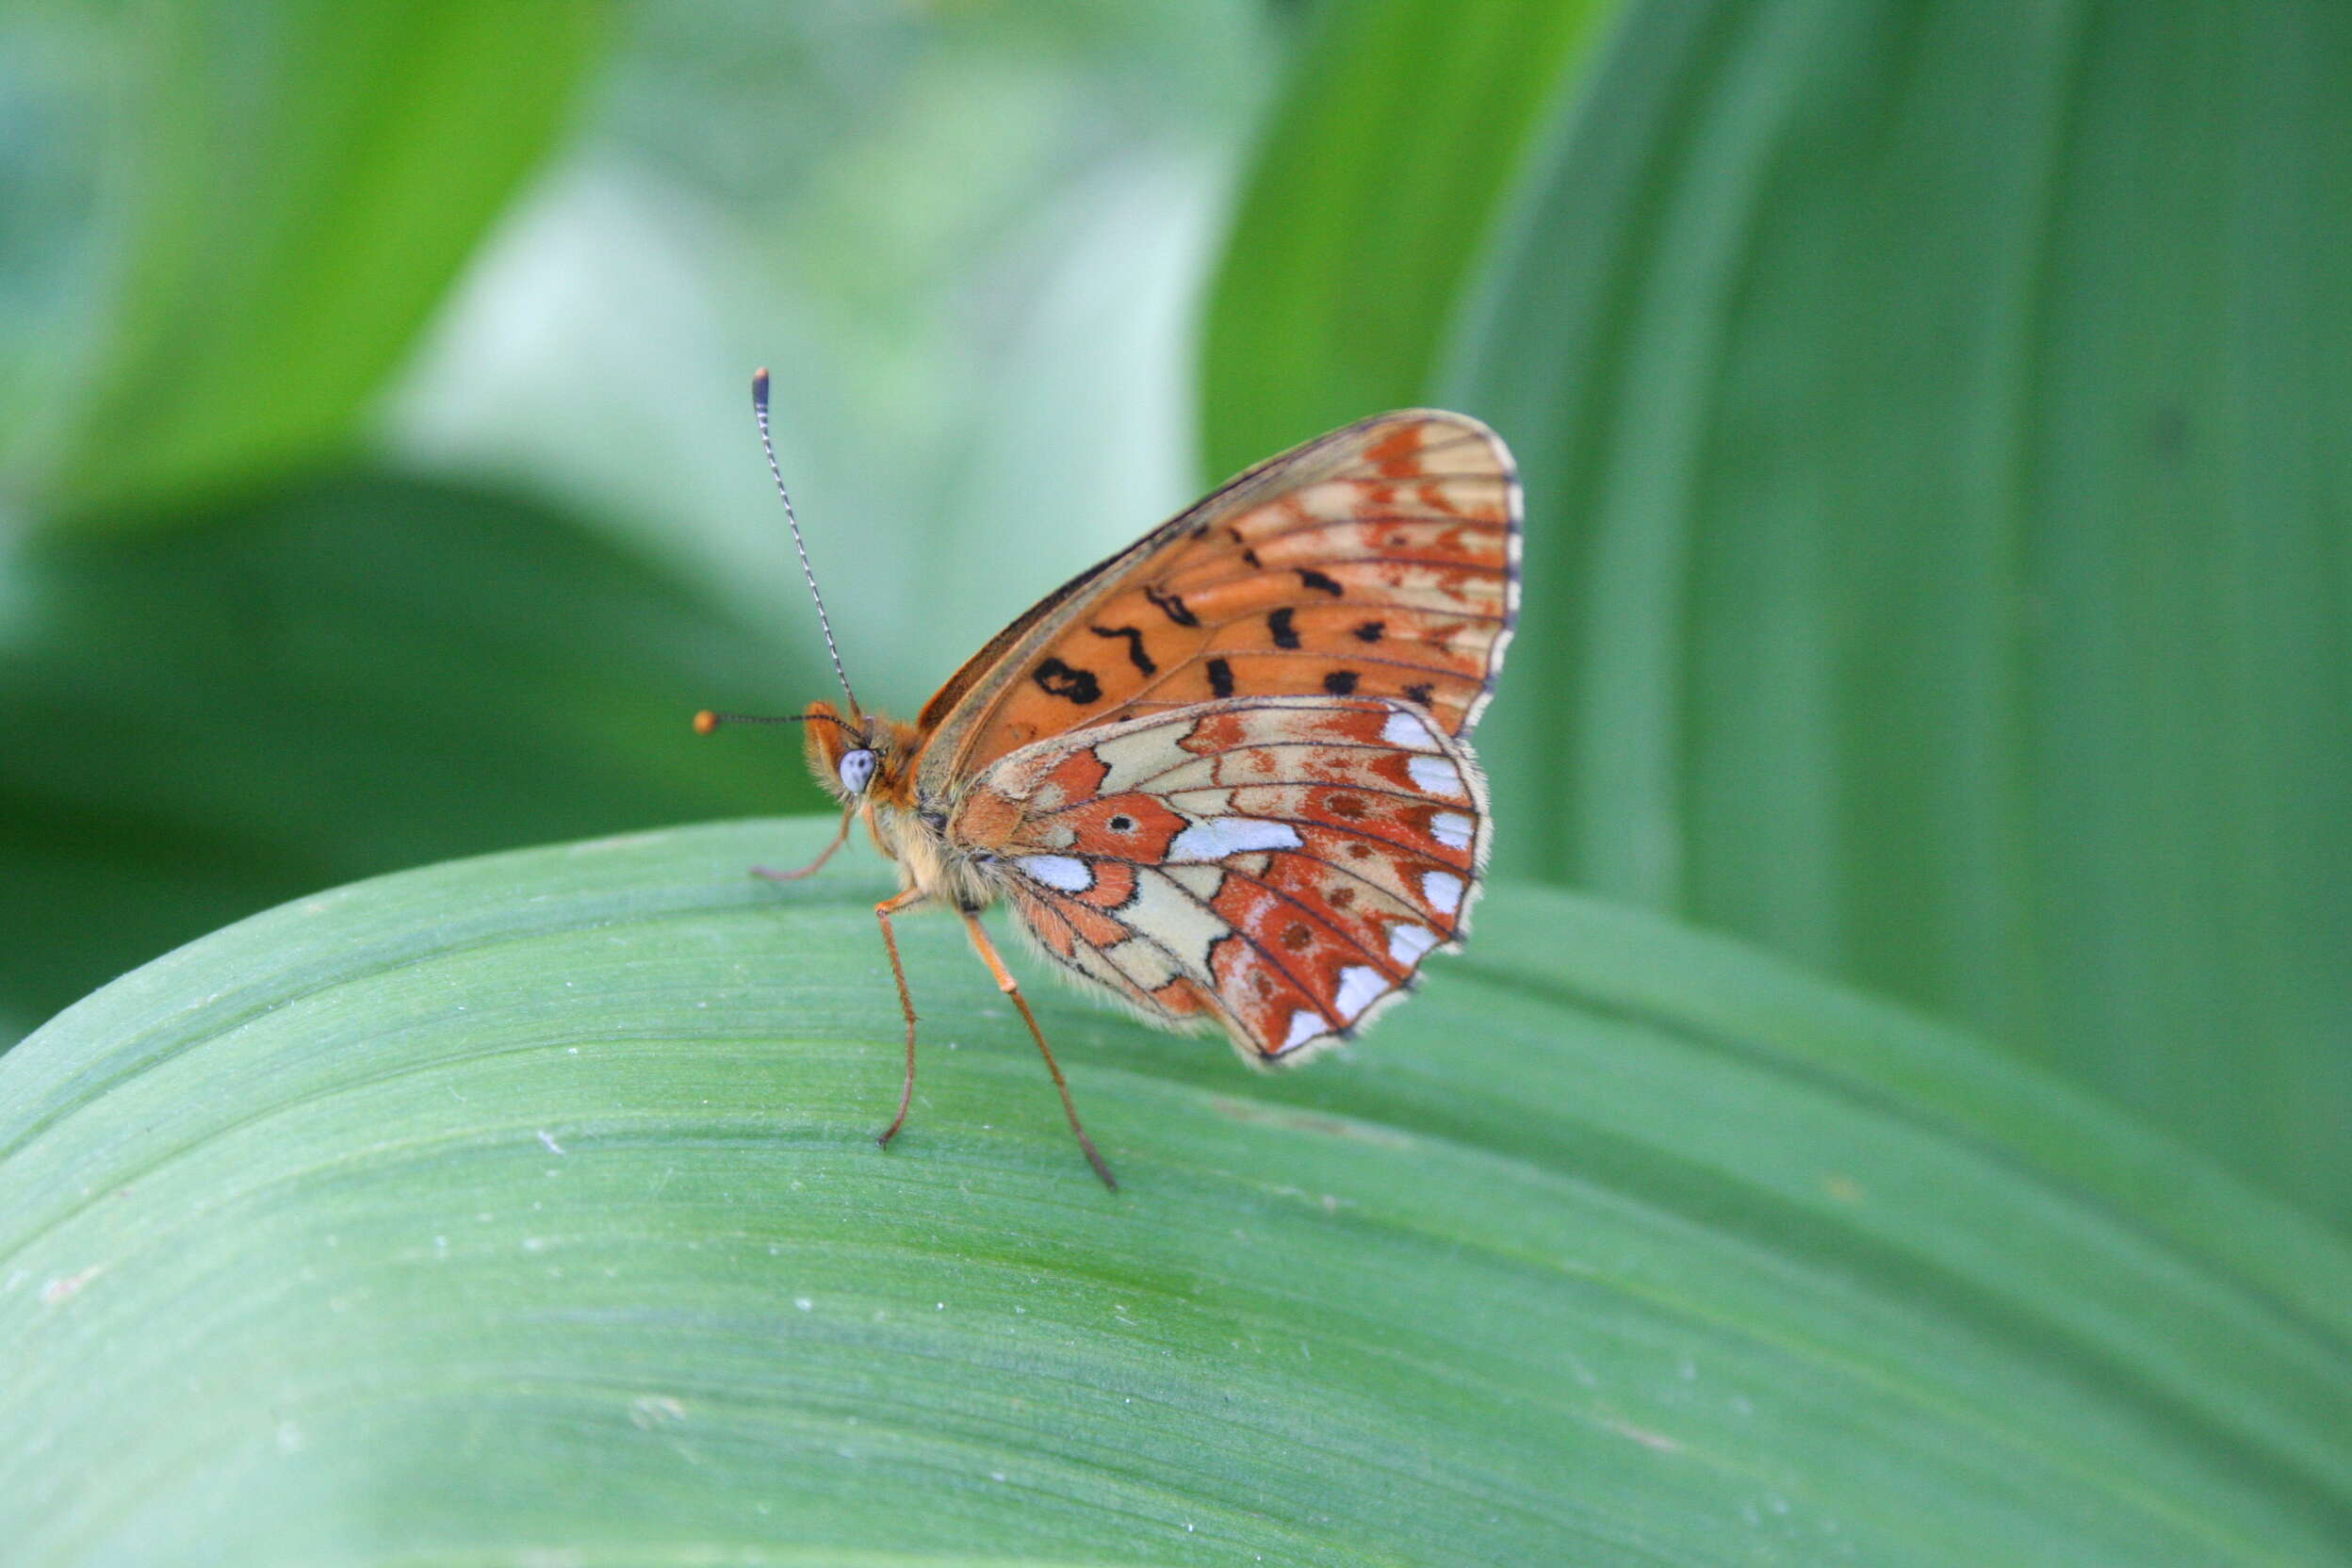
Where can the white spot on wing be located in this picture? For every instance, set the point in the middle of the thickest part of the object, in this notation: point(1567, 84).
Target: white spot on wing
point(1452, 829)
point(1218, 837)
point(1360, 986)
point(1442, 888)
point(1436, 774)
point(1404, 729)
point(1407, 943)
point(1065, 872)
point(1304, 1026)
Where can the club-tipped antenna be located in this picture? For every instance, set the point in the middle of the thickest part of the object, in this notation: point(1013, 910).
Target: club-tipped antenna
point(767, 445)
point(707, 720)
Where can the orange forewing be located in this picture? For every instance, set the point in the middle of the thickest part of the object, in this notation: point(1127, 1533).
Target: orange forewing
point(1379, 561)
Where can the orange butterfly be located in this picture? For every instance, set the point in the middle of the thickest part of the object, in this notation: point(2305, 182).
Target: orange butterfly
point(1223, 776)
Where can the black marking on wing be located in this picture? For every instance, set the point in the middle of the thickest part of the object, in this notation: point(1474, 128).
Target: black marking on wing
point(1220, 678)
point(1285, 634)
point(1413, 524)
point(1314, 578)
point(1340, 683)
point(1423, 693)
point(1172, 606)
point(1135, 646)
point(1370, 632)
point(1068, 683)
point(1502, 569)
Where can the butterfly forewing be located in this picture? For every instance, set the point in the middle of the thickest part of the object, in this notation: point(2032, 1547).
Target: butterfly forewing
point(1381, 560)
point(1280, 865)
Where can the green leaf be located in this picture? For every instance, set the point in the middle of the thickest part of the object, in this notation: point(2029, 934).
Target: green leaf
point(528, 1209)
point(295, 183)
point(1932, 424)
point(1369, 208)
point(357, 676)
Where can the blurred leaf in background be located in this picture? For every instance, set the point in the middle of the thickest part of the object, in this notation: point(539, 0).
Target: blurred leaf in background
point(1371, 206)
point(1932, 418)
point(284, 191)
point(430, 328)
point(359, 672)
point(55, 87)
point(966, 239)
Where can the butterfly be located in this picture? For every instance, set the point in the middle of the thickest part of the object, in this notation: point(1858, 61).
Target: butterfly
point(1223, 777)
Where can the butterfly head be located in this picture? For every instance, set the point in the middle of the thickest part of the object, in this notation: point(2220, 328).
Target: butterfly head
point(846, 753)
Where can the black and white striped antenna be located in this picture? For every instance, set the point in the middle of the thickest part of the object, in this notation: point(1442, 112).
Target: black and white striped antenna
point(767, 445)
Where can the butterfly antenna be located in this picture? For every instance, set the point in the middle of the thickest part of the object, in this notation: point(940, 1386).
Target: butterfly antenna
point(707, 720)
point(767, 445)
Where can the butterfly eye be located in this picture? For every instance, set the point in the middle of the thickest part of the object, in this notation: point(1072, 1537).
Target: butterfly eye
point(856, 770)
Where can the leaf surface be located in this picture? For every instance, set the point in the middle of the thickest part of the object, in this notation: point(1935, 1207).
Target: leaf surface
point(530, 1205)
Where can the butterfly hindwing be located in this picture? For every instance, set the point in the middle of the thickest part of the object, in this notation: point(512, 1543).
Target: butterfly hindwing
point(1381, 560)
point(1279, 865)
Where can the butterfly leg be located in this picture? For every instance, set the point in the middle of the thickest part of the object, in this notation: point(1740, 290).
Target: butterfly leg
point(1005, 983)
point(839, 838)
point(883, 912)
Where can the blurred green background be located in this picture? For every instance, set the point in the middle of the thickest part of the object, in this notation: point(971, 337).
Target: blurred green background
point(1938, 563)
point(1938, 575)
point(382, 483)
point(1933, 418)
